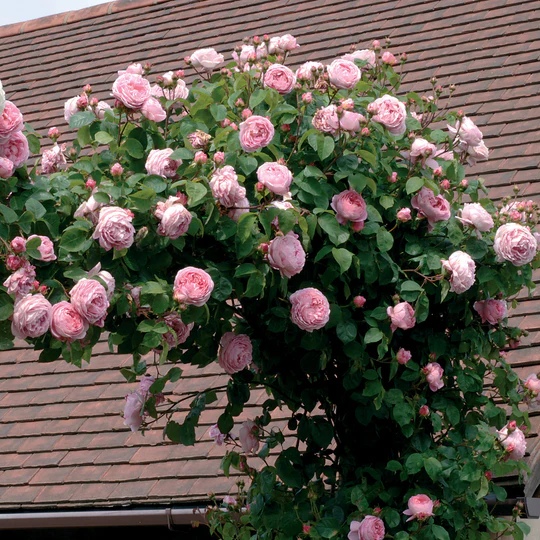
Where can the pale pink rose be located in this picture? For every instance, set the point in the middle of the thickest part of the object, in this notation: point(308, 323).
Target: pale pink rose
point(309, 71)
point(235, 352)
point(434, 208)
point(214, 433)
point(160, 163)
point(401, 316)
point(364, 55)
point(6, 168)
point(350, 121)
point(240, 207)
point(255, 133)
point(207, 59)
point(174, 216)
point(106, 277)
point(21, 282)
point(277, 178)
point(15, 149)
point(391, 113)
point(287, 43)
point(247, 52)
point(286, 254)
point(66, 322)
point(135, 69)
point(515, 243)
point(513, 441)
point(388, 58)
point(532, 383)
point(370, 528)
point(404, 214)
point(180, 91)
point(144, 385)
point(70, 108)
point(132, 90)
point(467, 131)
point(193, 286)
point(179, 331)
point(420, 507)
point(492, 311)
point(228, 499)
point(89, 208)
point(46, 248)
point(18, 244)
point(249, 437)
point(11, 121)
point(89, 298)
point(423, 151)
point(475, 215)
point(225, 187)
point(477, 153)
point(343, 74)
point(101, 108)
point(326, 119)
point(114, 228)
point(434, 374)
point(349, 205)
point(310, 309)
point(31, 316)
point(403, 356)
point(462, 269)
point(280, 78)
point(359, 301)
point(200, 158)
point(153, 110)
point(133, 411)
point(53, 160)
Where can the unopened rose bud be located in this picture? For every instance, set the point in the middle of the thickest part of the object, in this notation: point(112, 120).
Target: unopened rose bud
point(36, 285)
point(339, 110)
point(117, 169)
point(403, 57)
point(488, 475)
point(464, 183)
point(388, 58)
point(240, 102)
point(376, 44)
point(43, 289)
point(72, 153)
point(359, 301)
point(433, 81)
point(160, 81)
point(13, 263)
point(357, 226)
point(234, 126)
point(266, 38)
point(377, 511)
point(365, 132)
point(279, 59)
point(438, 171)
point(393, 178)
point(87, 88)
point(256, 40)
point(263, 247)
point(286, 128)
point(225, 123)
point(246, 113)
point(219, 157)
point(18, 244)
point(259, 186)
point(53, 133)
point(512, 426)
point(187, 60)
point(445, 184)
point(82, 101)
point(200, 157)
point(436, 504)
point(404, 215)
point(424, 411)
point(439, 89)
point(306, 529)
point(94, 102)
point(147, 68)
point(90, 184)
point(307, 97)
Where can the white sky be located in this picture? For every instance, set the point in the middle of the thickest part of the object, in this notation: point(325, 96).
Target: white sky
point(13, 11)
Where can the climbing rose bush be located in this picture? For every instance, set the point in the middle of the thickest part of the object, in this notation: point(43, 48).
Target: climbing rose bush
point(313, 232)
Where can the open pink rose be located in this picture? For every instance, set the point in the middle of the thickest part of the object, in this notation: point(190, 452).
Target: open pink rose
point(153, 110)
point(214, 433)
point(235, 352)
point(310, 309)
point(277, 178)
point(159, 162)
point(225, 186)
point(492, 311)
point(475, 215)
point(21, 282)
point(462, 269)
point(286, 254)
point(133, 411)
point(46, 248)
point(391, 113)
point(207, 59)
point(343, 74)
point(193, 286)
point(287, 43)
point(434, 374)
point(106, 277)
point(477, 153)
point(532, 383)
point(174, 216)
point(31, 316)
point(280, 78)
point(240, 207)
point(249, 437)
point(6, 168)
point(256, 132)
point(179, 331)
point(11, 121)
point(370, 528)
point(513, 441)
point(53, 160)
point(70, 108)
point(132, 90)
point(89, 298)
point(135, 68)
point(326, 119)
point(515, 243)
point(114, 228)
point(467, 131)
point(365, 55)
point(434, 208)
point(349, 205)
point(16, 149)
point(309, 71)
point(401, 316)
point(349, 121)
point(403, 356)
point(420, 507)
point(67, 323)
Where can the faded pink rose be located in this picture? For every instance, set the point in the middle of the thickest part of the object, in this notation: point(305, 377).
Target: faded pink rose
point(326, 119)
point(159, 162)
point(153, 110)
point(343, 74)
point(225, 186)
point(21, 282)
point(132, 90)
point(388, 58)
point(174, 218)
point(349, 205)
point(365, 55)
point(207, 59)
point(67, 323)
point(255, 133)
point(15, 149)
point(310, 309)
point(144, 385)
point(89, 298)
point(229, 500)
point(277, 178)
point(370, 528)
point(391, 113)
point(280, 78)
point(477, 153)
point(31, 316)
point(180, 91)
point(114, 228)
point(515, 243)
point(249, 437)
point(475, 215)
point(193, 286)
point(286, 254)
point(491, 311)
point(214, 433)
point(18, 244)
point(70, 108)
point(178, 330)
point(420, 507)
point(434, 208)
point(401, 316)
point(6, 168)
point(349, 121)
point(403, 356)
point(101, 108)
point(467, 131)
point(135, 69)
point(434, 374)
point(287, 43)
point(53, 160)
point(462, 269)
point(309, 71)
point(240, 207)
point(423, 151)
point(106, 277)
point(404, 214)
point(11, 121)
point(133, 411)
point(46, 248)
point(513, 441)
point(235, 352)
point(532, 383)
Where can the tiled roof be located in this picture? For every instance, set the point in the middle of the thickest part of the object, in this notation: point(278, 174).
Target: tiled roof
point(62, 441)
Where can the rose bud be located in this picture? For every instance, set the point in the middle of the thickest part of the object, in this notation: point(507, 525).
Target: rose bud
point(90, 183)
point(18, 244)
point(359, 301)
point(424, 410)
point(53, 133)
point(117, 169)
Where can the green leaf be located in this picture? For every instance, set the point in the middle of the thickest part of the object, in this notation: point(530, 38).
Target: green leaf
point(373, 335)
point(439, 533)
point(394, 466)
point(257, 98)
point(346, 331)
point(182, 153)
point(134, 148)
point(336, 232)
point(387, 202)
point(385, 240)
point(81, 119)
point(328, 527)
point(325, 146)
point(414, 463)
point(74, 240)
point(196, 192)
point(414, 184)
point(34, 206)
point(369, 157)
point(84, 136)
point(6, 306)
point(102, 137)
point(286, 471)
point(219, 112)
point(343, 257)
point(433, 468)
point(9, 215)
point(33, 143)
point(102, 197)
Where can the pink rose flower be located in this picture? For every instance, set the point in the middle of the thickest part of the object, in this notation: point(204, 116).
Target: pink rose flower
point(287, 43)
point(404, 214)
point(144, 385)
point(67, 323)
point(11, 121)
point(180, 91)
point(434, 373)
point(401, 316)
point(365, 55)
point(135, 69)
point(403, 356)
point(53, 160)
point(344, 74)
point(18, 244)
point(31, 316)
point(160, 163)
point(532, 383)
point(70, 108)
point(114, 228)
point(207, 59)
point(101, 108)
point(229, 500)
point(89, 299)
point(462, 269)
point(106, 277)
point(133, 411)
point(249, 437)
point(423, 151)
point(326, 119)
point(310, 309)
point(174, 216)
point(15, 149)
point(46, 248)
point(309, 71)
point(117, 170)
point(277, 178)
point(225, 187)
point(420, 507)
point(349, 121)
point(132, 90)
point(492, 311)
point(240, 207)
point(370, 528)
point(179, 331)
point(388, 58)
point(21, 282)
point(434, 208)
point(247, 53)
point(214, 433)
point(193, 286)
point(235, 352)
point(513, 441)
point(286, 254)
point(359, 301)
point(515, 243)
point(13, 262)
point(6, 168)
point(424, 411)
point(280, 78)
point(475, 215)
point(477, 153)
point(391, 113)
point(467, 131)
point(255, 133)
point(349, 205)
point(153, 110)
